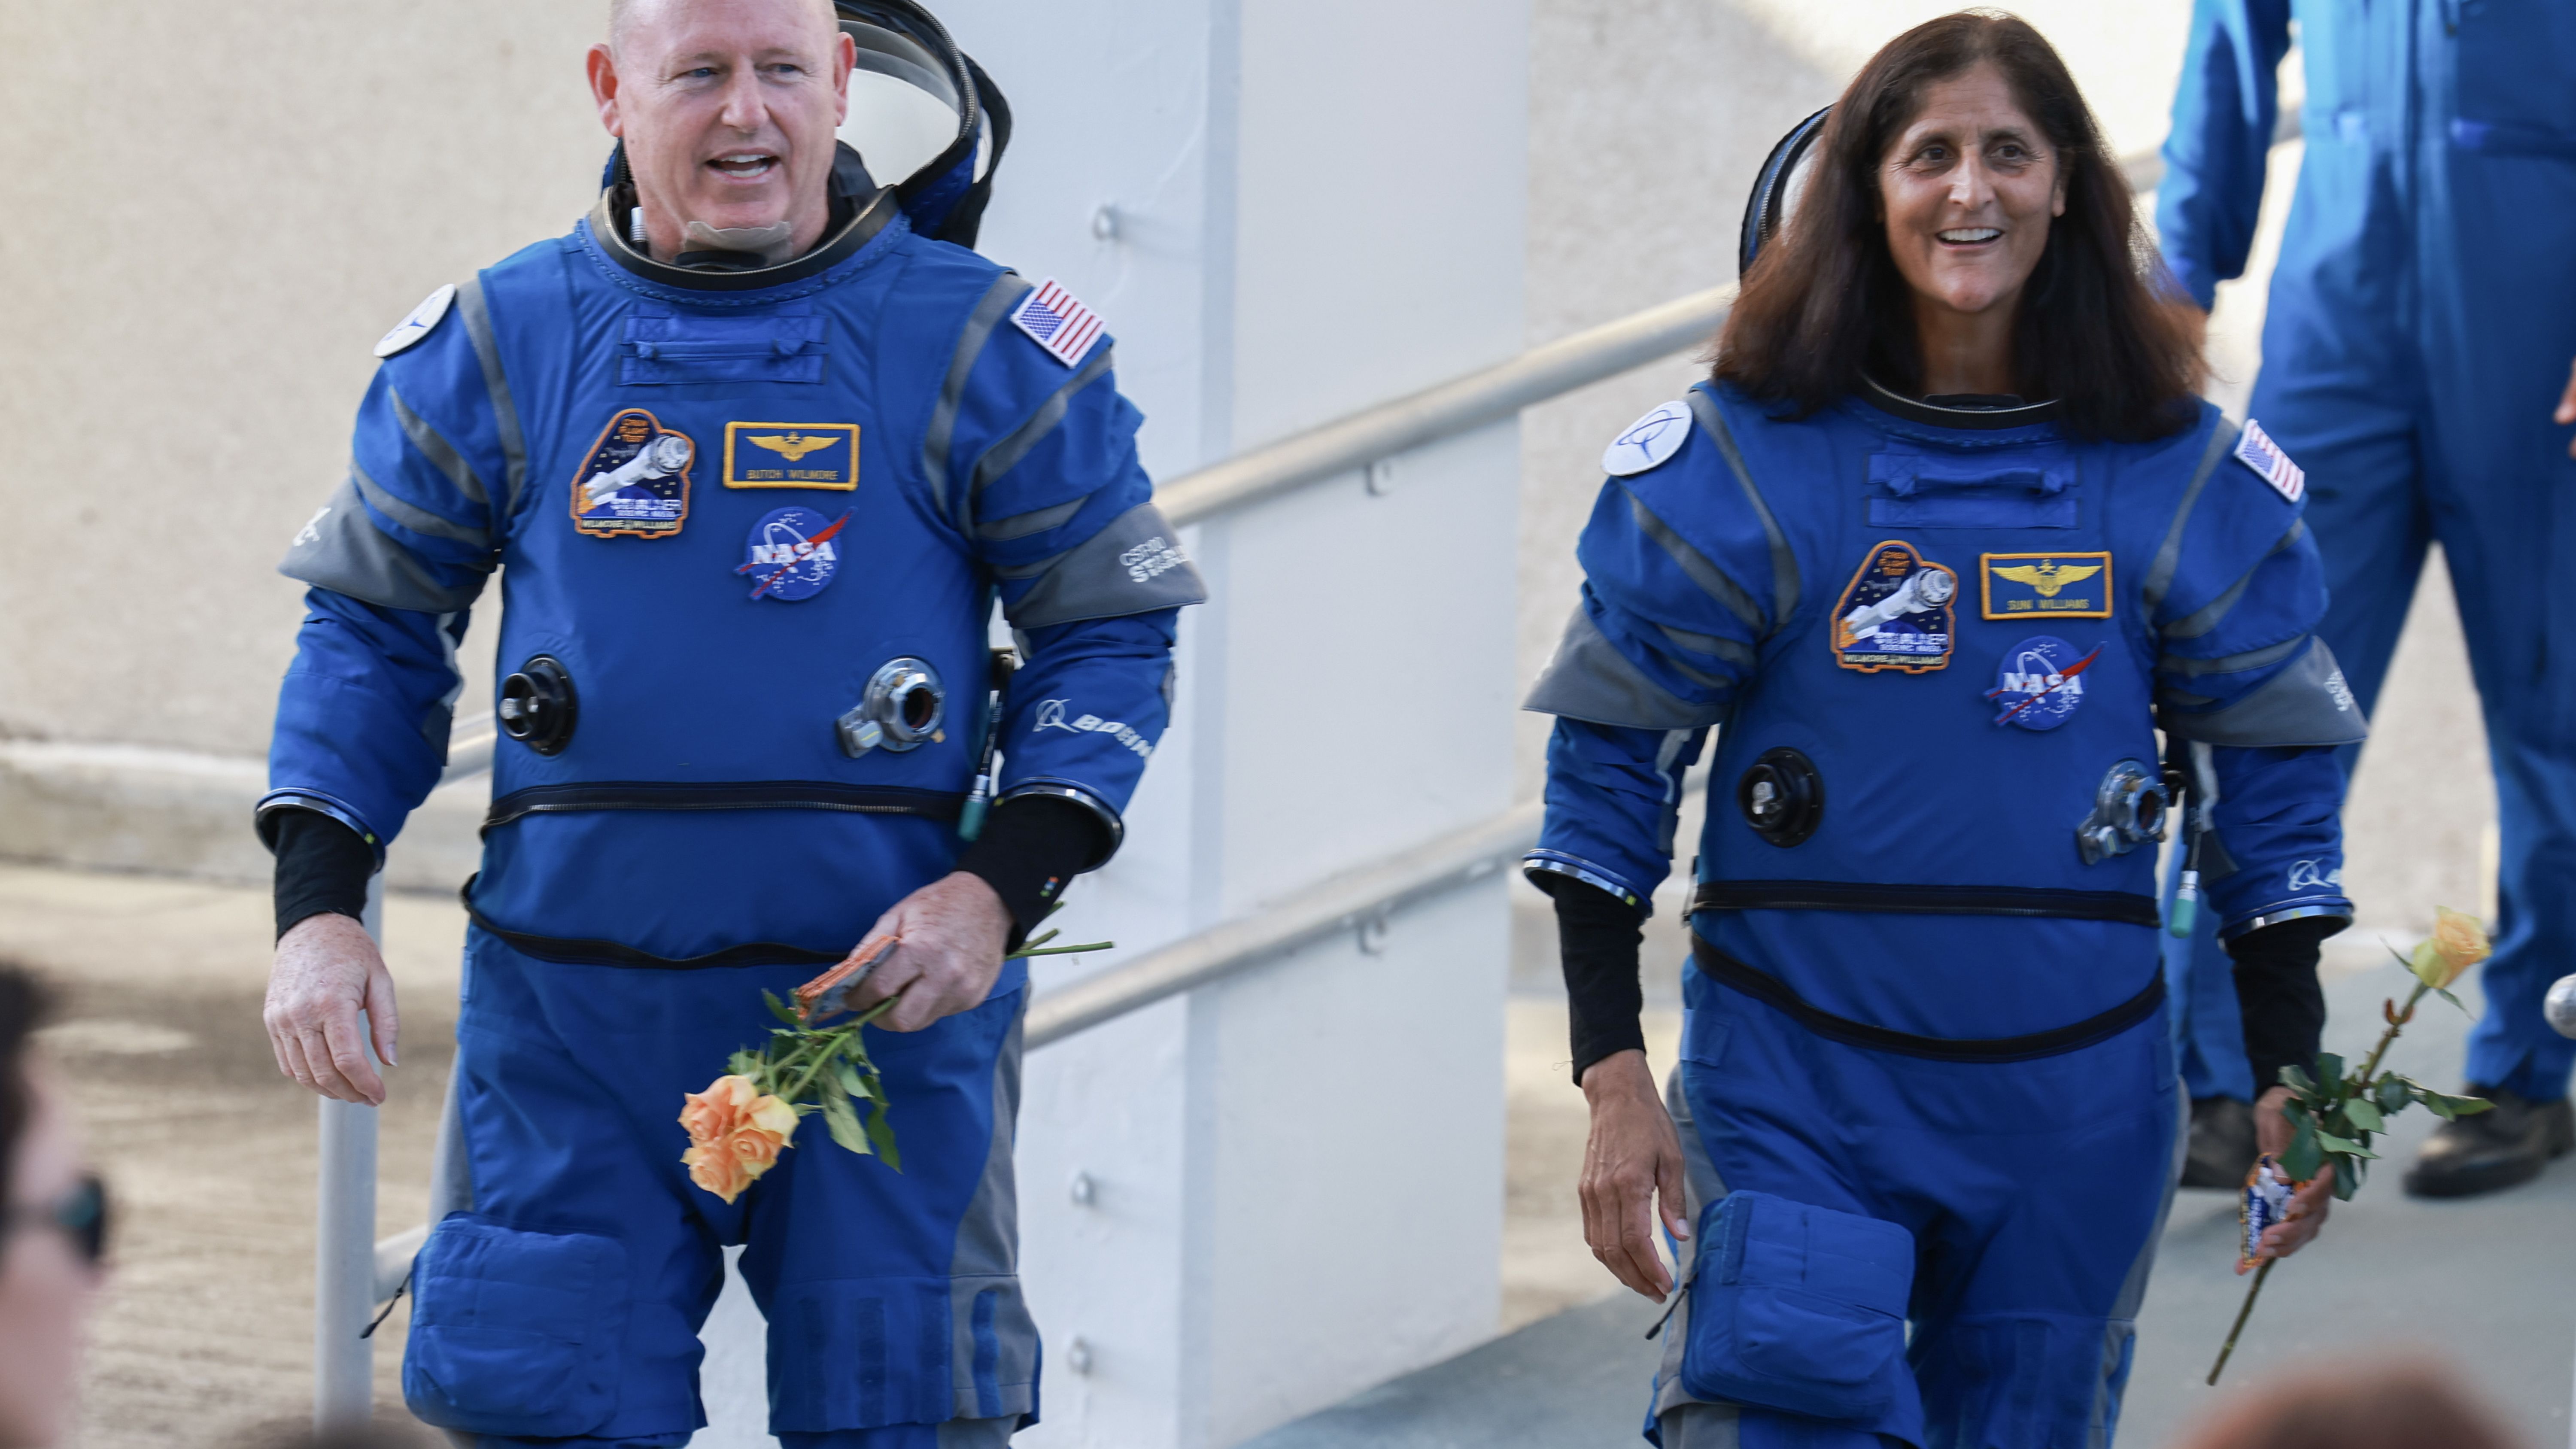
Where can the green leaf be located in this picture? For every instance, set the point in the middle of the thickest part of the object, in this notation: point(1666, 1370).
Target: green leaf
point(778, 1008)
point(2465, 1106)
point(2304, 1156)
point(2299, 1082)
point(2348, 1174)
point(2392, 1094)
point(844, 1123)
point(847, 1078)
point(743, 1063)
point(2362, 1114)
point(2343, 1146)
point(2447, 996)
point(881, 1132)
point(2330, 1072)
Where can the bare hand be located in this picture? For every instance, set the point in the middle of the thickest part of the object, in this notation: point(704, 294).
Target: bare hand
point(328, 970)
point(953, 932)
point(2567, 408)
point(1632, 1164)
point(2308, 1204)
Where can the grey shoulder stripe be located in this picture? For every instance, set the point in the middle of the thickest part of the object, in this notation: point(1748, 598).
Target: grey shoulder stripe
point(1726, 649)
point(418, 520)
point(1784, 561)
point(477, 317)
point(2206, 618)
point(1005, 455)
point(1698, 569)
point(997, 300)
point(1002, 530)
point(2182, 668)
point(2169, 554)
point(441, 454)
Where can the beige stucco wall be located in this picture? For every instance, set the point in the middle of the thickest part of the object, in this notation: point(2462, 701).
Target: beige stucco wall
point(213, 212)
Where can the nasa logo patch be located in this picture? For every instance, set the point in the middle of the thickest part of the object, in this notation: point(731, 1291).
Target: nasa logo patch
point(2041, 683)
point(2256, 450)
point(424, 319)
point(1897, 613)
point(1648, 441)
point(635, 482)
point(791, 554)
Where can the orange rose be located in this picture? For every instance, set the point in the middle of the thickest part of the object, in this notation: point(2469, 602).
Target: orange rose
point(2458, 942)
point(734, 1134)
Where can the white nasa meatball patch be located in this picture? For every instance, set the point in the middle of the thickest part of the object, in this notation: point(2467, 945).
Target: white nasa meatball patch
point(1648, 441)
point(424, 319)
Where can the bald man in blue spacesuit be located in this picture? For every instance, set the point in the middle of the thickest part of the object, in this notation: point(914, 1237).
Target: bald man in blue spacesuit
point(755, 451)
point(2422, 315)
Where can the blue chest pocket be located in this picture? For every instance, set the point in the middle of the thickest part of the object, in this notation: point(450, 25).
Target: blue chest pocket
point(664, 349)
point(2022, 488)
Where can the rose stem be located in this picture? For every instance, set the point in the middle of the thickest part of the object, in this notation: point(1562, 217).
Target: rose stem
point(2390, 1034)
point(2241, 1315)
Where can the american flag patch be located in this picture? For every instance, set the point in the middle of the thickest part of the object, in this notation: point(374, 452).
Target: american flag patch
point(2257, 451)
point(1057, 321)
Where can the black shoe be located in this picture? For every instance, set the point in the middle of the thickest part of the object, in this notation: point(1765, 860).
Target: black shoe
point(2222, 1143)
point(2497, 1148)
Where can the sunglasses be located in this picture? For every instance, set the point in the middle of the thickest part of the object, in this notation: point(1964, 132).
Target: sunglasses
point(80, 1215)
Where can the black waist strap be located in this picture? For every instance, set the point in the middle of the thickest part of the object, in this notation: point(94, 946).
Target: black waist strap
point(1773, 992)
point(569, 951)
point(725, 795)
point(1924, 900)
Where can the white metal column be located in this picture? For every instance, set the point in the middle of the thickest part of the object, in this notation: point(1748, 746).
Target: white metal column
point(344, 1253)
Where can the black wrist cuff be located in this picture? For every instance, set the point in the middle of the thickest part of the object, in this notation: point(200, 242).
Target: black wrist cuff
point(1031, 848)
point(1599, 938)
point(2279, 997)
point(322, 867)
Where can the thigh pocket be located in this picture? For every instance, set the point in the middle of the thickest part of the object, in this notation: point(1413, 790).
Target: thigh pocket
point(1798, 1308)
point(515, 1332)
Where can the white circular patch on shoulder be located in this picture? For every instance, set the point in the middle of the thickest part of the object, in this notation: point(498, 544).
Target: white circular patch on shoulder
point(423, 320)
point(1648, 441)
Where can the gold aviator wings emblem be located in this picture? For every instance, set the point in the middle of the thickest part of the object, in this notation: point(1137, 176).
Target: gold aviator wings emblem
point(791, 446)
point(2047, 576)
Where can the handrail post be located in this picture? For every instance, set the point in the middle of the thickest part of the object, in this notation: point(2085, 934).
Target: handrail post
point(344, 1257)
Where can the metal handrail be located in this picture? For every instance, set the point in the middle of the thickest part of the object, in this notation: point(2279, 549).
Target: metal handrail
point(1356, 899)
point(1484, 396)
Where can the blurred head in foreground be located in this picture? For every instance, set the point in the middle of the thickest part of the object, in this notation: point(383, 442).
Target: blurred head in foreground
point(48, 1236)
point(2390, 1404)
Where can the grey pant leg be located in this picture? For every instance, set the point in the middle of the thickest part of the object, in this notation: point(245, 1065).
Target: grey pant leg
point(1689, 1423)
point(978, 1433)
point(1700, 1426)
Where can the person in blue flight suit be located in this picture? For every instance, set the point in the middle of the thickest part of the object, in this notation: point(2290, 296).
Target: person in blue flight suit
point(1936, 551)
point(755, 450)
point(2422, 316)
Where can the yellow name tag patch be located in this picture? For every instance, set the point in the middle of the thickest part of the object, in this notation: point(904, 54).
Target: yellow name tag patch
point(2050, 585)
point(791, 455)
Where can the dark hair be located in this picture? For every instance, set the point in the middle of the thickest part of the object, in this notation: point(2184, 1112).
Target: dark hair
point(22, 1010)
point(1824, 303)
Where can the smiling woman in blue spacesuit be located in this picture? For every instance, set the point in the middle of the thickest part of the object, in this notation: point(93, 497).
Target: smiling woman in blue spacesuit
point(1940, 546)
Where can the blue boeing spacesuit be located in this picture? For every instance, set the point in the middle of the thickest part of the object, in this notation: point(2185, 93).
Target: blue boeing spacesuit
point(1925, 1067)
point(750, 527)
point(2423, 313)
